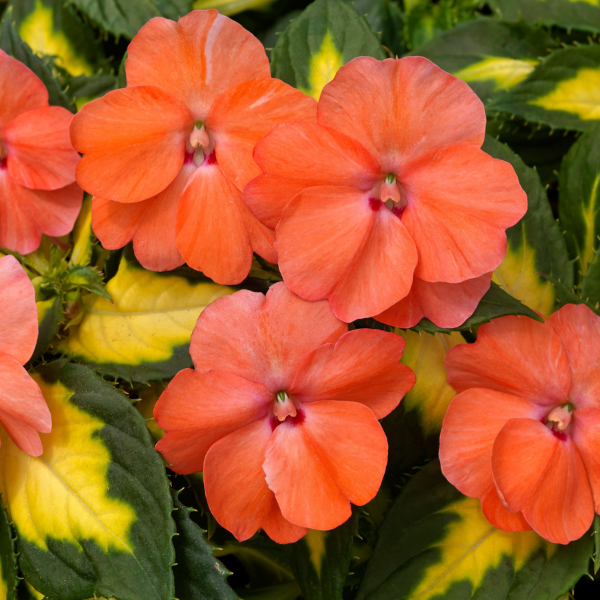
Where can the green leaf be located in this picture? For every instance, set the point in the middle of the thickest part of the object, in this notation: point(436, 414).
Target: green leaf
point(87, 278)
point(436, 543)
point(126, 17)
point(563, 91)
point(596, 528)
point(232, 7)
point(144, 334)
point(579, 206)
point(590, 290)
point(321, 561)
point(122, 76)
point(494, 304)
point(386, 20)
point(9, 576)
point(12, 44)
point(569, 14)
point(327, 35)
point(198, 574)
point(93, 513)
point(84, 89)
point(536, 247)
point(488, 55)
point(50, 314)
point(50, 28)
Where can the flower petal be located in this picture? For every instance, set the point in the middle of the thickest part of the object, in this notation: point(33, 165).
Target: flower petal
point(201, 407)
point(211, 232)
point(445, 304)
point(472, 423)
point(545, 478)
point(39, 150)
point(586, 434)
point(515, 355)
point(22, 404)
point(332, 244)
point(336, 455)
point(499, 516)
point(236, 488)
point(243, 115)
point(20, 89)
point(133, 143)
point(262, 339)
point(401, 109)
point(362, 366)
point(306, 155)
point(25, 214)
point(468, 199)
point(579, 330)
point(19, 325)
point(195, 59)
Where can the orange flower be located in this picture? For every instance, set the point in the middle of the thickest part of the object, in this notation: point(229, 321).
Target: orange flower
point(281, 413)
point(167, 157)
point(523, 434)
point(38, 193)
point(23, 410)
point(388, 206)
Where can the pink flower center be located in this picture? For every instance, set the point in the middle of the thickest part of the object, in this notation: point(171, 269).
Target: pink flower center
point(285, 408)
point(389, 193)
point(2, 155)
point(558, 420)
point(200, 147)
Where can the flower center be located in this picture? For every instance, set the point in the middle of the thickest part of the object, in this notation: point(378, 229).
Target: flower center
point(285, 408)
point(199, 147)
point(559, 419)
point(2, 155)
point(390, 194)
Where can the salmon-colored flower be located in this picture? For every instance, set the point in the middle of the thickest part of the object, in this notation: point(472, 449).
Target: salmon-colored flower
point(523, 434)
point(167, 157)
point(23, 410)
point(38, 193)
point(388, 206)
point(281, 413)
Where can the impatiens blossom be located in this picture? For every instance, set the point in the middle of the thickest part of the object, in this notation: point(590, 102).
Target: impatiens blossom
point(523, 434)
point(388, 207)
point(23, 410)
point(38, 193)
point(167, 157)
point(281, 413)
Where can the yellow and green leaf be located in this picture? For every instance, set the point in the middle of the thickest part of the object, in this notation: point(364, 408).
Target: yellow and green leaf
point(9, 579)
point(536, 246)
point(579, 206)
point(327, 35)
point(231, 7)
point(144, 334)
point(50, 314)
point(436, 543)
point(83, 236)
point(570, 14)
point(490, 56)
point(563, 91)
point(321, 561)
point(93, 512)
point(51, 28)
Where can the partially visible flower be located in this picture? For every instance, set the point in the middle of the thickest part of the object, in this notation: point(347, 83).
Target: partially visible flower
point(281, 413)
point(23, 410)
point(523, 434)
point(388, 207)
point(167, 157)
point(38, 193)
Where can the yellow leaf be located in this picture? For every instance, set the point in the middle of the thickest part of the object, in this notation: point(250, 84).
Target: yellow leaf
point(425, 355)
point(324, 64)
point(505, 72)
point(72, 473)
point(152, 316)
point(37, 30)
point(578, 95)
point(518, 276)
